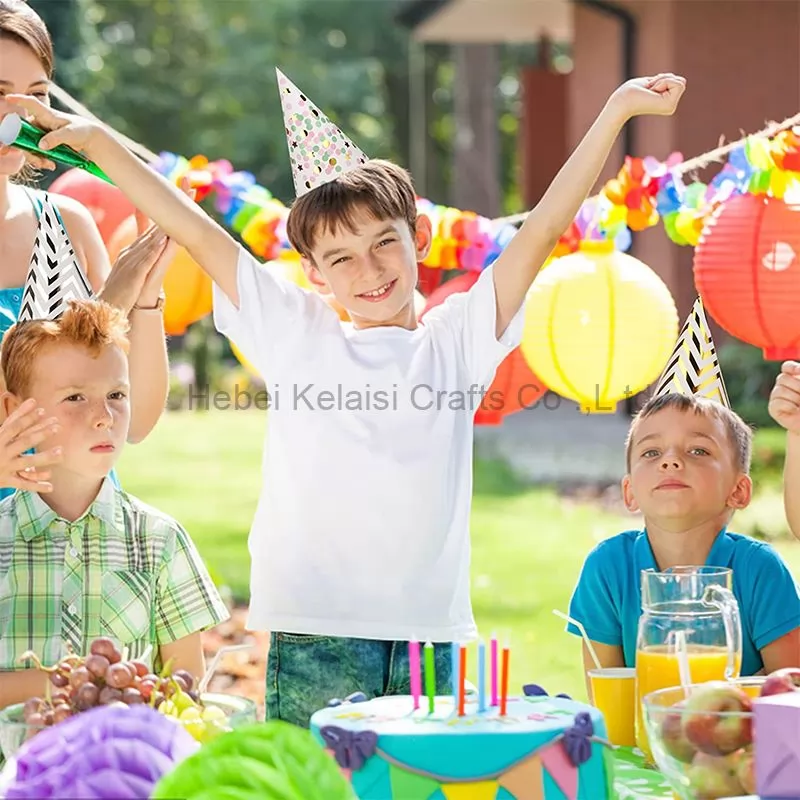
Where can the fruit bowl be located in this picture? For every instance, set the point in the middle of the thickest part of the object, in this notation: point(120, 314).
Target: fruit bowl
point(701, 738)
point(216, 714)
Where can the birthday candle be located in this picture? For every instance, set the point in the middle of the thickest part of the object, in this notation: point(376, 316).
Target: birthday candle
point(504, 687)
point(462, 682)
point(414, 669)
point(481, 676)
point(430, 676)
point(494, 669)
point(455, 670)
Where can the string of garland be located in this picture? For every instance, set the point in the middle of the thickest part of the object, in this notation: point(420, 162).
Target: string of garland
point(644, 192)
point(647, 190)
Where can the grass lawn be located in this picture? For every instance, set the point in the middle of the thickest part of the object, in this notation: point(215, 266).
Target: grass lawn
point(528, 544)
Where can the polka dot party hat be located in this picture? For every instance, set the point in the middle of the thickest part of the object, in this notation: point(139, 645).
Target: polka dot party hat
point(318, 150)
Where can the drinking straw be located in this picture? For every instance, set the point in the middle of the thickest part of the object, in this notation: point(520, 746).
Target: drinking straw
point(206, 679)
point(586, 640)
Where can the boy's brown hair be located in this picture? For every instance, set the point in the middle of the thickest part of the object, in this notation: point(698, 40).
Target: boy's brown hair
point(92, 324)
point(385, 190)
point(739, 433)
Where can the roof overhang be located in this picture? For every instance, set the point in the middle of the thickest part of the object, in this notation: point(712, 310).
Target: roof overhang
point(489, 21)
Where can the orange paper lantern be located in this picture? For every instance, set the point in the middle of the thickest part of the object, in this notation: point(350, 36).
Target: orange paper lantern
point(747, 272)
point(187, 287)
point(515, 386)
point(108, 205)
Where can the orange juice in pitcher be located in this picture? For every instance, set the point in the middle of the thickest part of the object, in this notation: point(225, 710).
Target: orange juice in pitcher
point(691, 607)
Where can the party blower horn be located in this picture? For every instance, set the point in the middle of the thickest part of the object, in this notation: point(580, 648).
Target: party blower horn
point(15, 132)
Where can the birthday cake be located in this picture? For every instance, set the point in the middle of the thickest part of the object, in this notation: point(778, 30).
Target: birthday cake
point(542, 748)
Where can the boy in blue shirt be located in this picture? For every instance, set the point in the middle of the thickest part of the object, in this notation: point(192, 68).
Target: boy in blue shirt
point(361, 536)
point(688, 461)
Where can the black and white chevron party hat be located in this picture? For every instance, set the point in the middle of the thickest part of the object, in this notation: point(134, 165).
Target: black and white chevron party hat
point(693, 367)
point(55, 277)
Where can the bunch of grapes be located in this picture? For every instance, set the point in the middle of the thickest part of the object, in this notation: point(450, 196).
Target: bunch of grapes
point(104, 679)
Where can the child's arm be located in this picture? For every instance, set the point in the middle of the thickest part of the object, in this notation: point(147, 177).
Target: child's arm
point(784, 408)
point(783, 652)
point(186, 602)
point(171, 210)
point(17, 686)
point(185, 653)
point(517, 265)
point(772, 607)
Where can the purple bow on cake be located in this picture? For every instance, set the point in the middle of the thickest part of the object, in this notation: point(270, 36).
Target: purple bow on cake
point(350, 748)
point(578, 739)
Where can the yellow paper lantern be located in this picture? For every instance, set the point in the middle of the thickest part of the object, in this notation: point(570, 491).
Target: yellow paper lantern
point(187, 288)
point(599, 326)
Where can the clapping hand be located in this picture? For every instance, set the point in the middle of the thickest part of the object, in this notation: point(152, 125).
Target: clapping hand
point(138, 273)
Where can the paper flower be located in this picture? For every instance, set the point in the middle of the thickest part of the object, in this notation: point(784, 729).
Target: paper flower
point(265, 759)
point(102, 753)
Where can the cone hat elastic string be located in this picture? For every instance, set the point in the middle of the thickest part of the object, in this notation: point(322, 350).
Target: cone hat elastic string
point(318, 150)
point(693, 367)
point(55, 277)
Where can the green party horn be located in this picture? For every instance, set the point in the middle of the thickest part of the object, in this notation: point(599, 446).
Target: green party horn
point(15, 132)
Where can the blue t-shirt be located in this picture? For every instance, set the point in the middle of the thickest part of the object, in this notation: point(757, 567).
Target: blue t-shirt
point(607, 600)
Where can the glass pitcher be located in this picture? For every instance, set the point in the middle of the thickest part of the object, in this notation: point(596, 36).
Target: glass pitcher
point(692, 608)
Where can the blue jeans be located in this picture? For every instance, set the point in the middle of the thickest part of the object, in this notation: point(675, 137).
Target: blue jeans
point(305, 672)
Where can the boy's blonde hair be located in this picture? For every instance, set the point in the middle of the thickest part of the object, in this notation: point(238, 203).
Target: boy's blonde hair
point(385, 190)
point(740, 436)
point(92, 324)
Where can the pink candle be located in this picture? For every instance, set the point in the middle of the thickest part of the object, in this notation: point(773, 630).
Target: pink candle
point(494, 669)
point(414, 668)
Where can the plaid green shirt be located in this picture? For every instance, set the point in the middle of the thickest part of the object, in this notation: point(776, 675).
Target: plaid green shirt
point(123, 570)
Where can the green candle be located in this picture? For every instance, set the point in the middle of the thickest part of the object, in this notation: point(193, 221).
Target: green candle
point(430, 676)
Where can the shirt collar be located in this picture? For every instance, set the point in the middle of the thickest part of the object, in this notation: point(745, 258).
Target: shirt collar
point(35, 517)
point(719, 556)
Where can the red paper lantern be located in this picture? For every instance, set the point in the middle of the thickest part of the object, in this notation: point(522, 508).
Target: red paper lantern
point(747, 272)
point(515, 386)
point(107, 204)
point(428, 279)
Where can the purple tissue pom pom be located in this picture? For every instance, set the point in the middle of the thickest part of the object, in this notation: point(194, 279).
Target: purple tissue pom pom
point(101, 754)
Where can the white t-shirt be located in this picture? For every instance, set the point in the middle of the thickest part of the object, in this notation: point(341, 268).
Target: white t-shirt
point(362, 526)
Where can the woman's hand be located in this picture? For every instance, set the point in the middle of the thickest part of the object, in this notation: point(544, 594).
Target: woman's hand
point(131, 271)
point(23, 429)
point(76, 132)
point(34, 159)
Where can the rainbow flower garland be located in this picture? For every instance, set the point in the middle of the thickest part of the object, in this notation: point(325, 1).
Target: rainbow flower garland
point(462, 240)
point(644, 192)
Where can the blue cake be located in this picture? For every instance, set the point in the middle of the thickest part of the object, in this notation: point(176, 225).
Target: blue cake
point(544, 748)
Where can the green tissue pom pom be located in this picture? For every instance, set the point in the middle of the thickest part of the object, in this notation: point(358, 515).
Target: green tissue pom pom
point(272, 760)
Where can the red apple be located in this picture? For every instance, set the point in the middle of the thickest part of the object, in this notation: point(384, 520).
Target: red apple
point(718, 718)
point(780, 681)
point(673, 738)
point(746, 769)
point(712, 778)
